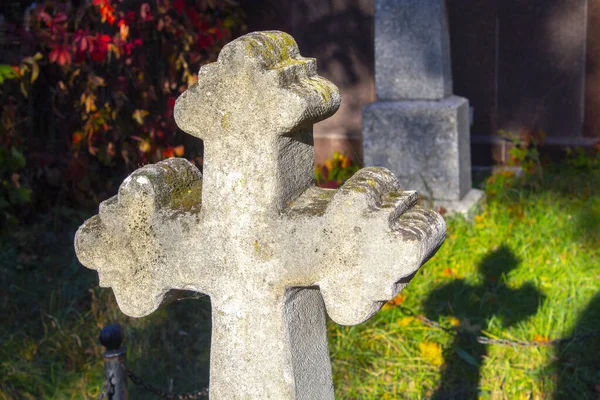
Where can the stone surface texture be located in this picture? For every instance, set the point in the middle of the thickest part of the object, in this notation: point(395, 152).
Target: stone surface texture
point(412, 50)
point(425, 142)
point(274, 252)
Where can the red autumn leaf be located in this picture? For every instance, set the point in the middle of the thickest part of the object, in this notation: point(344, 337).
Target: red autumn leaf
point(193, 17)
point(145, 12)
point(171, 102)
point(77, 136)
point(204, 41)
point(44, 16)
point(168, 152)
point(130, 17)
point(100, 48)
point(132, 45)
point(220, 32)
point(82, 41)
point(59, 18)
point(60, 55)
point(178, 5)
point(106, 11)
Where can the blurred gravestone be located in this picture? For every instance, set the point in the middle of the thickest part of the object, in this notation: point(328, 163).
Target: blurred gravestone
point(417, 128)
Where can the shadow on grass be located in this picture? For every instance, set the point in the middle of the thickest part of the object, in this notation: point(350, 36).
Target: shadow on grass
point(171, 350)
point(577, 364)
point(475, 306)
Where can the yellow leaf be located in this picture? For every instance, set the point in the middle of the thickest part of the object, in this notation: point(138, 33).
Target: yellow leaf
point(541, 339)
point(145, 146)
point(178, 150)
point(74, 75)
point(124, 32)
point(97, 80)
point(90, 103)
point(139, 116)
point(35, 72)
point(454, 321)
point(399, 299)
point(114, 49)
point(432, 352)
point(403, 322)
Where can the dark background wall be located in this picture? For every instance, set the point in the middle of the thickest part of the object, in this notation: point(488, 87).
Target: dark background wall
point(531, 64)
point(339, 34)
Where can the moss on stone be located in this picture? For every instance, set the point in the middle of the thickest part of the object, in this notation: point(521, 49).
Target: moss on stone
point(225, 120)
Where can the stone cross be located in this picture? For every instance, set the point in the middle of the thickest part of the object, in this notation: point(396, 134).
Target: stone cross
point(271, 249)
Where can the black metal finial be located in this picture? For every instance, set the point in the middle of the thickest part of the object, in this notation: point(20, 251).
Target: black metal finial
point(111, 336)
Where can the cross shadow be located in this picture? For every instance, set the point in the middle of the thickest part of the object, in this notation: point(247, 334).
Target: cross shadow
point(475, 306)
point(577, 364)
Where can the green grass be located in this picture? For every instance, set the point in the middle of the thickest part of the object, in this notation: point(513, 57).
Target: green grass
point(527, 268)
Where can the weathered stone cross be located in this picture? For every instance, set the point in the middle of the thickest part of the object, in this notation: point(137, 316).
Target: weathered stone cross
point(270, 249)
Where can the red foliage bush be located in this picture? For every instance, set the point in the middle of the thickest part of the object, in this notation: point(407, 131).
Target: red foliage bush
point(96, 101)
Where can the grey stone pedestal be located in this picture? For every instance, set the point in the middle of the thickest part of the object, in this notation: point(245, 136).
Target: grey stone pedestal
point(427, 144)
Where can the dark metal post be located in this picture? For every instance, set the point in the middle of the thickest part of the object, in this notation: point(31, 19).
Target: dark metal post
point(115, 373)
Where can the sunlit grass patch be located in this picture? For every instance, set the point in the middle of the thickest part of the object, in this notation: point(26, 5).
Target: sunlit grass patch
point(526, 269)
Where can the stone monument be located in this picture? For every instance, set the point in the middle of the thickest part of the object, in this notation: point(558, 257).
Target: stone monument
point(417, 128)
point(272, 251)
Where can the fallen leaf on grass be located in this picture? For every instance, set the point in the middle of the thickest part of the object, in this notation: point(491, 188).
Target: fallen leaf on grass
point(403, 322)
point(541, 339)
point(466, 356)
point(432, 352)
point(396, 301)
point(479, 219)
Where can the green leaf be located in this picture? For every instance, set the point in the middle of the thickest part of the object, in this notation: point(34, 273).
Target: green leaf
point(20, 195)
point(17, 159)
point(466, 356)
point(6, 72)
